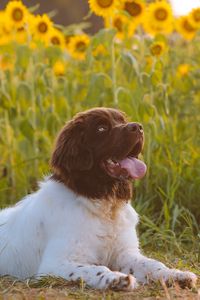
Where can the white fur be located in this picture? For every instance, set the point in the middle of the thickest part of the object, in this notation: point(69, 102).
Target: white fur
point(56, 232)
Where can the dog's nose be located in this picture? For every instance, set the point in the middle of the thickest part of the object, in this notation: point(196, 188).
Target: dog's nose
point(134, 127)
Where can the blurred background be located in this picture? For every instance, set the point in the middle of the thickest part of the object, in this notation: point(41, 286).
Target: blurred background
point(73, 11)
point(66, 11)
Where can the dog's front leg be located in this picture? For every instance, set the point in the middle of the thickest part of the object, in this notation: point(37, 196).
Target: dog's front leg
point(99, 277)
point(55, 262)
point(146, 269)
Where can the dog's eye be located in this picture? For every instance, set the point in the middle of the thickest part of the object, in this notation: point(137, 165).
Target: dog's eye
point(102, 128)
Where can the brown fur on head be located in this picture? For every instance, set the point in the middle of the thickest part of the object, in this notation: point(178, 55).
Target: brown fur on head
point(87, 145)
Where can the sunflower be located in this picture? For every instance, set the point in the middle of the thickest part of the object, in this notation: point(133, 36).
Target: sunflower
point(3, 30)
point(153, 29)
point(119, 22)
point(195, 17)
point(16, 14)
point(100, 51)
point(20, 36)
point(157, 48)
point(158, 18)
point(134, 8)
point(149, 62)
point(41, 27)
point(31, 19)
point(5, 39)
point(132, 26)
point(78, 45)
point(59, 68)
point(183, 70)
point(103, 8)
point(185, 27)
point(56, 38)
point(6, 63)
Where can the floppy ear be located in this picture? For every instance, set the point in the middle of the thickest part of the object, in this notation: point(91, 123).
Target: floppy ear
point(71, 153)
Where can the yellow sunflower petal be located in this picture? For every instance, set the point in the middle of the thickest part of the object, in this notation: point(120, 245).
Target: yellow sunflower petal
point(5, 39)
point(100, 51)
point(59, 68)
point(183, 70)
point(20, 36)
point(103, 7)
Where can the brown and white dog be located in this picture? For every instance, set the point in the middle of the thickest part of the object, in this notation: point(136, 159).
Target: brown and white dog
point(80, 223)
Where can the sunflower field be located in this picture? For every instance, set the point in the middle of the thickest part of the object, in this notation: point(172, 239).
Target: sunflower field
point(146, 62)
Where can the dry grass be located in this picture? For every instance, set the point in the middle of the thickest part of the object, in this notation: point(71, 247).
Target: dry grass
point(57, 288)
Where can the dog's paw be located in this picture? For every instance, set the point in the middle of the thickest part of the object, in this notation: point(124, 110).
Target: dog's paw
point(184, 279)
point(123, 282)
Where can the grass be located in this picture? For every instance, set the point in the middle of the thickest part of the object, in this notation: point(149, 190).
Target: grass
point(58, 288)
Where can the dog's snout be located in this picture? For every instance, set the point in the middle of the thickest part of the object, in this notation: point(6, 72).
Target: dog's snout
point(134, 127)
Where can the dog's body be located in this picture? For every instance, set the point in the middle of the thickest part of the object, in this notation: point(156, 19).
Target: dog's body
point(60, 230)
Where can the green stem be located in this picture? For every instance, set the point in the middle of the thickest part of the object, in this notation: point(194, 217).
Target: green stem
point(11, 150)
point(34, 118)
point(113, 74)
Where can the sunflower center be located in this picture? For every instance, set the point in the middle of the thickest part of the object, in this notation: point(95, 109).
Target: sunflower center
point(196, 15)
point(80, 46)
point(156, 50)
point(42, 27)
point(188, 27)
point(118, 24)
point(161, 14)
point(17, 14)
point(133, 8)
point(105, 3)
point(55, 40)
point(20, 29)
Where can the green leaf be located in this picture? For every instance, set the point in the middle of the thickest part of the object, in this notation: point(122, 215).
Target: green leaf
point(23, 94)
point(104, 36)
point(5, 101)
point(27, 130)
point(23, 56)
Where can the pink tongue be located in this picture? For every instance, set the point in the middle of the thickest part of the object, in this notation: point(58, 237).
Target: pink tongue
point(135, 167)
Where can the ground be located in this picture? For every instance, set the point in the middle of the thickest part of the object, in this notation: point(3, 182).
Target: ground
point(57, 288)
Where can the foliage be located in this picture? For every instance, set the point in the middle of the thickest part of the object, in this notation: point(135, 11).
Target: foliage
point(154, 78)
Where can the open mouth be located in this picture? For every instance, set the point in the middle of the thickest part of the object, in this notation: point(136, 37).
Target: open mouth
point(129, 167)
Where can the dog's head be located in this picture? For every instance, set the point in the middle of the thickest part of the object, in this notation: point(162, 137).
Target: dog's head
point(98, 150)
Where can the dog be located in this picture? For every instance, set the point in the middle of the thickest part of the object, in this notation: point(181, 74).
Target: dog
point(80, 223)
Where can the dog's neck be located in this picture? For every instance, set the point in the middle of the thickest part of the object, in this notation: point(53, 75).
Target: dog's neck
point(96, 187)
